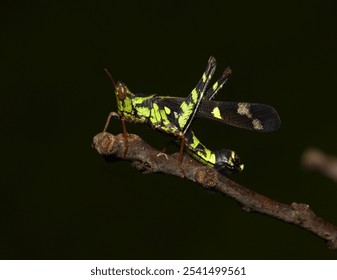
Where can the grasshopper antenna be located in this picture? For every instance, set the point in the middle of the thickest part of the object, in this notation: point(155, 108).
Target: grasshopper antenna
point(110, 77)
point(112, 114)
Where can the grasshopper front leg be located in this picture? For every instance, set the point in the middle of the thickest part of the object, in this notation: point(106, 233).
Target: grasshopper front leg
point(111, 115)
point(125, 134)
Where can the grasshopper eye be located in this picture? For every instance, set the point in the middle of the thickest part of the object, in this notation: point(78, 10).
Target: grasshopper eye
point(121, 91)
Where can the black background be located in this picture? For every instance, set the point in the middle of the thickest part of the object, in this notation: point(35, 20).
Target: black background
point(61, 200)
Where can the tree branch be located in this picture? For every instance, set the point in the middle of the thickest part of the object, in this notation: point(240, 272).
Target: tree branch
point(315, 160)
point(149, 160)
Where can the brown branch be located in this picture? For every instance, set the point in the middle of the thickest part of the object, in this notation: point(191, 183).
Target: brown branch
point(149, 160)
point(316, 160)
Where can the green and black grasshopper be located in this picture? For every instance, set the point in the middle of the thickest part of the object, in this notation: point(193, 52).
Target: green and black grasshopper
point(174, 116)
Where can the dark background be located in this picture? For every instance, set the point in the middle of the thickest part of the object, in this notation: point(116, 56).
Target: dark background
point(61, 200)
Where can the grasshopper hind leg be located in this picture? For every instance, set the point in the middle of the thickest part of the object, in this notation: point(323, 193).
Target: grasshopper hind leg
point(190, 105)
point(225, 161)
point(213, 90)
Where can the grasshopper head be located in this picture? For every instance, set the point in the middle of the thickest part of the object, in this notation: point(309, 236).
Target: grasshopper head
point(124, 99)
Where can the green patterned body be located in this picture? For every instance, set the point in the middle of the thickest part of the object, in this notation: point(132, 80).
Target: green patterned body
point(174, 116)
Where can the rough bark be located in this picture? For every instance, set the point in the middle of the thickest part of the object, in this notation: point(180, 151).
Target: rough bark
point(149, 160)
